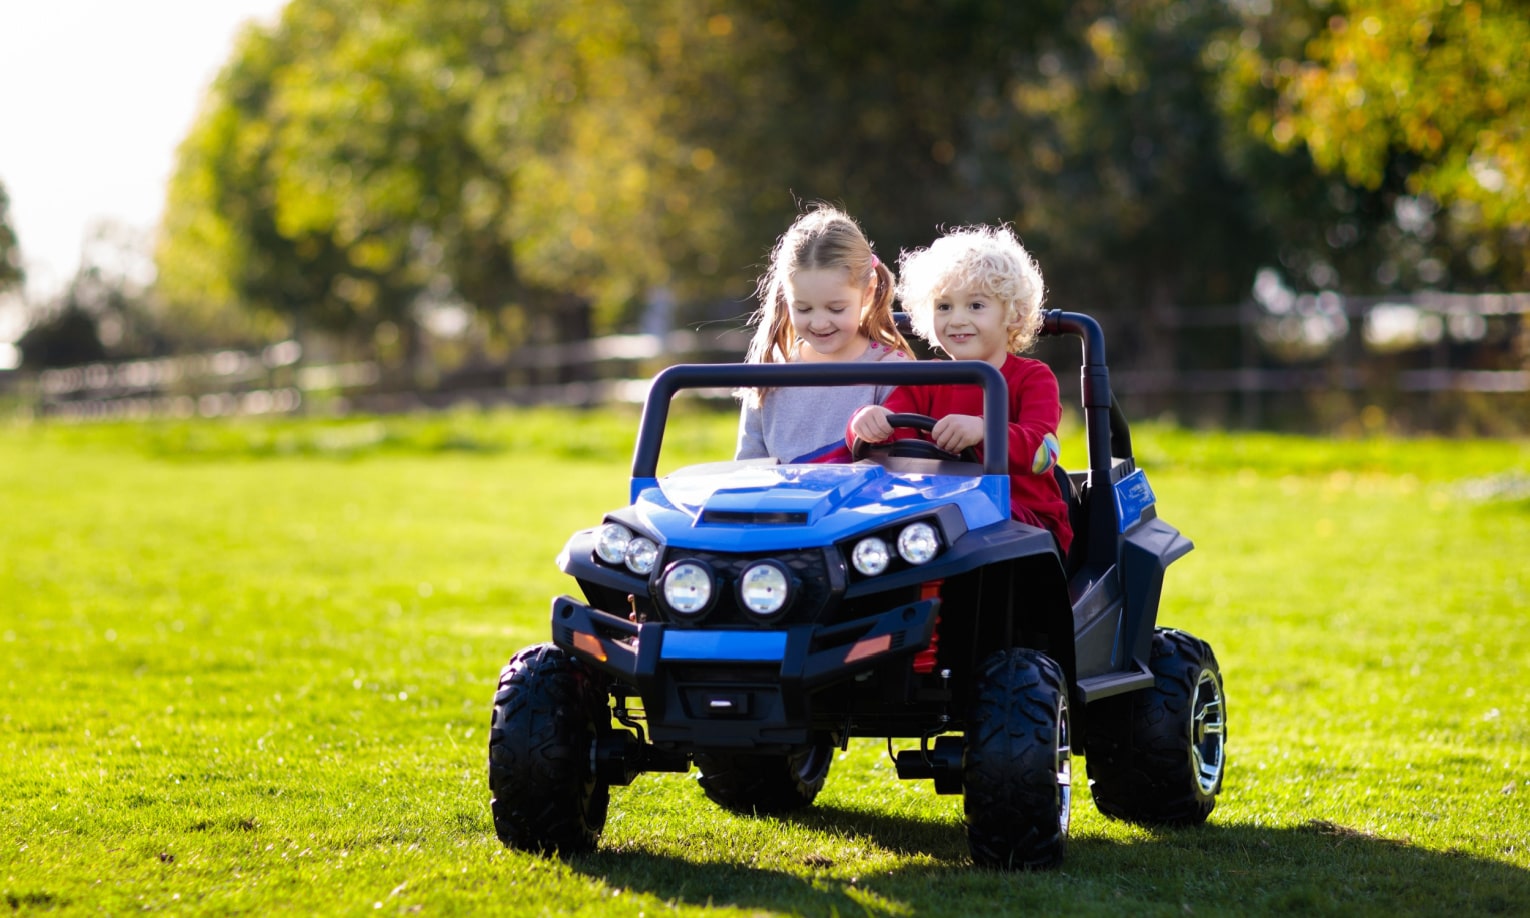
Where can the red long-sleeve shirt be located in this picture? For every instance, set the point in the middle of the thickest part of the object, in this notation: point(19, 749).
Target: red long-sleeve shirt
point(1034, 413)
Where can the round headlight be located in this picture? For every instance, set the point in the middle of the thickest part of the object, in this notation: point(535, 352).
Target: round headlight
point(688, 587)
point(870, 556)
point(763, 588)
point(640, 555)
point(611, 542)
point(917, 543)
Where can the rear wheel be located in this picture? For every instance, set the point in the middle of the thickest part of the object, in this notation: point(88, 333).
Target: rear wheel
point(1018, 772)
point(764, 784)
point(1156, 756)
point(547, 714)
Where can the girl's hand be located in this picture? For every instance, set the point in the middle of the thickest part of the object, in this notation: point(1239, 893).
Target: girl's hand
point(955, 432)
point(870, 424)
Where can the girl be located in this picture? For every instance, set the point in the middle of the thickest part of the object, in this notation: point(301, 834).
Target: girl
point(825, 296)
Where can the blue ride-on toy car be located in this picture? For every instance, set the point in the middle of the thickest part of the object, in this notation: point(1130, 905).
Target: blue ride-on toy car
point(750, 618)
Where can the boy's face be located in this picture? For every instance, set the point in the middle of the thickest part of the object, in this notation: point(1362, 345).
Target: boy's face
point(971, 326)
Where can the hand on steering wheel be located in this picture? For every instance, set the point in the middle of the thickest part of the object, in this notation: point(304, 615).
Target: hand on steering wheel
point(913, 449)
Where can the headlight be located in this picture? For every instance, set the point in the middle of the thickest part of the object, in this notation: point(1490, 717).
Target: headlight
point(640, 555)
point(688, 587)
point(763, 588)
point(611, 542)
point(870, 556)
point(917, 543)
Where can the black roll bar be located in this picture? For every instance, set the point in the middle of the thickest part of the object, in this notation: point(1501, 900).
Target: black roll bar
point(1106, 430)
point(645, 454)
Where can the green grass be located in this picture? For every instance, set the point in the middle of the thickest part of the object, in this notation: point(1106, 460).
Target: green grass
point(247, 669)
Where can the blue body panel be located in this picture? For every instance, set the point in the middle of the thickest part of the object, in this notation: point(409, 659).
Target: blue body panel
point(808, 504)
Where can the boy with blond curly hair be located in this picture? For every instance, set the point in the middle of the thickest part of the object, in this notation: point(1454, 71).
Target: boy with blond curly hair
point(976, 293)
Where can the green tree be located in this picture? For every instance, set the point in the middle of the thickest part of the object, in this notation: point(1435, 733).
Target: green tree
point(1113, 165)
point(1402, 133)
point(365, 159)
point(105, 313)
point(1091, 126)
point(309, 189)
point(11, 273)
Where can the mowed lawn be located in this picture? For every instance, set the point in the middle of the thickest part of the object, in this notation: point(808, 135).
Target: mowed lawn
point(247, 668)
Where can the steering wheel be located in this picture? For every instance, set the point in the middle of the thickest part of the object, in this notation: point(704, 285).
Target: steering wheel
point(911, 449)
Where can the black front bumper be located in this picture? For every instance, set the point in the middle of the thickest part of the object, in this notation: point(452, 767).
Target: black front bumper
point(737, 688)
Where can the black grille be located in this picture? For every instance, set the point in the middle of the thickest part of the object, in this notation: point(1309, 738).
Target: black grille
point(819, 575)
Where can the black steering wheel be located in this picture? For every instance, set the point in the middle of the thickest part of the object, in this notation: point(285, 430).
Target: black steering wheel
point(911, 449)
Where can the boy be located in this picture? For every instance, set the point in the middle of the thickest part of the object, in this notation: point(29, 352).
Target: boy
point(976, 294)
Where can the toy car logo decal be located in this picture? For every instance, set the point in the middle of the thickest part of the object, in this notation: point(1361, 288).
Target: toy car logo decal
point(1133, 497)
point(1046, 455)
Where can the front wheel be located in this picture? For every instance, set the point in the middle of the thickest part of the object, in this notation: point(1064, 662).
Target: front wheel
point(1017, 775)
point(547, 713)
point(765, 784)
point(1155, 756)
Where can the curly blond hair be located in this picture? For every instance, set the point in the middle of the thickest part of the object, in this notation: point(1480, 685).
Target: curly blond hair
point(986, 259)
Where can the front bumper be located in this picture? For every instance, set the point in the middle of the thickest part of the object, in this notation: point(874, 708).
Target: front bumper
point(736, 688)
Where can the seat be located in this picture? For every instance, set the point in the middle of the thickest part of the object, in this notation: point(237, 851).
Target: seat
point(1078, 519)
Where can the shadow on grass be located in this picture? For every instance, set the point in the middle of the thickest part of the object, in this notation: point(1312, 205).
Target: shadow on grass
point(1317, 868)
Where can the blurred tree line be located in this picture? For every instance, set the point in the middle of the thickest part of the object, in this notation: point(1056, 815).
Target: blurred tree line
point(11, 273)
point(365, 164)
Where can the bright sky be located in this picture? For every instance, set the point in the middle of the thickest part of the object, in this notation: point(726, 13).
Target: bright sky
point(95, 95)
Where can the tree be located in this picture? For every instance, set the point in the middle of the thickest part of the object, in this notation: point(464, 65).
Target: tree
point(104, 314)
point(11, 273)
point(1110, 155)
point(364, 159)
point(1410, 118)
point(299, 194)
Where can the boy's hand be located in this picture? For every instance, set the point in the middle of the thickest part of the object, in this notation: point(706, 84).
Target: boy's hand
point(870, 424)
point(955, 432)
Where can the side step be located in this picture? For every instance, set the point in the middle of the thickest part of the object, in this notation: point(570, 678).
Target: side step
point(1097, 687)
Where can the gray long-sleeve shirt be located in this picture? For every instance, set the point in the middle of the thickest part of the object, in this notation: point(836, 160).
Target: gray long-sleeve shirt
point(808, 424)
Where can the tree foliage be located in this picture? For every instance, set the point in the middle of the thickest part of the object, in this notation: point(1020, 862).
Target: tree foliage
point(363, 162)
point(364, 157)
point(105, 313)
point(1108, 149)
point(1417, 107)
point(11, 273)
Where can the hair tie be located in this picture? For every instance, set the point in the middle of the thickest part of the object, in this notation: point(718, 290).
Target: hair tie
point(875, 262)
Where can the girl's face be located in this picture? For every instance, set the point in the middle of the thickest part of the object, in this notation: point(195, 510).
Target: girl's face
point(825, 308)
point(972, 326)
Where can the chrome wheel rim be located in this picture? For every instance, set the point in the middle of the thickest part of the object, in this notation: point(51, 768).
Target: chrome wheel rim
point(1208, 731)
point(1064, 765)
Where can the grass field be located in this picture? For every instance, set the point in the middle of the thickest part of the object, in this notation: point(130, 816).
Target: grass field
point(247, 668)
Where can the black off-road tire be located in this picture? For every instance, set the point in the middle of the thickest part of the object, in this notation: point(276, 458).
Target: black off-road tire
point(765, 784)
point(547, 712)
point(1155, 757)
point(1017, 773)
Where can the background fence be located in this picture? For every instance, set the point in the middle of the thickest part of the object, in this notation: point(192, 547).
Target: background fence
point(1432, 362)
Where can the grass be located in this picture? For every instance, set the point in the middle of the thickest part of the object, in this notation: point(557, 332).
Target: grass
point(247, 668)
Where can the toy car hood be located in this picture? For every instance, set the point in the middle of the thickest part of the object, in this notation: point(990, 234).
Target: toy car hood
point(757, 506)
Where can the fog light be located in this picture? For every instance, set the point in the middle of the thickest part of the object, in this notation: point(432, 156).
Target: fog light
point(763, 588)
point(688, 587)
point(917, 543)
point(871, 556)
